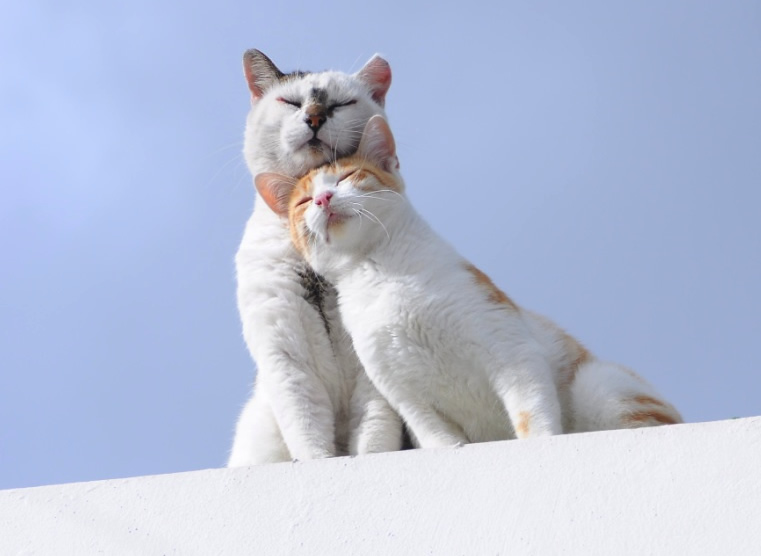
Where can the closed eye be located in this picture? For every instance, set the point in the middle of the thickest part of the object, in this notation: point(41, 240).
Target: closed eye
point(293, 103)
point(341, 104)
point(302, 201)
point(346, 175)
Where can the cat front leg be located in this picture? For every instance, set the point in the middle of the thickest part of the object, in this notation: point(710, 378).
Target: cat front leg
point(301, 404)
point(374, 425)
point(257, 436)
point(287, 338)
point(523, 380)
point(430, 428)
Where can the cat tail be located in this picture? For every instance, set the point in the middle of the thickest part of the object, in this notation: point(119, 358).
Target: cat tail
point(607, 396)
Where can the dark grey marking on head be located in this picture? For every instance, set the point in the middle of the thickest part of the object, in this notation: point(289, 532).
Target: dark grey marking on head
point(318, 96)
point(296, 74)
point(315, 287)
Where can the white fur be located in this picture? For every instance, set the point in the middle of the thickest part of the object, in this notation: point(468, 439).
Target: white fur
point(309, 386)
point(455, 364)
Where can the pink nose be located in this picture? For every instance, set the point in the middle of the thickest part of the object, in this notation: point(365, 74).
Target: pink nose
point(323, 199)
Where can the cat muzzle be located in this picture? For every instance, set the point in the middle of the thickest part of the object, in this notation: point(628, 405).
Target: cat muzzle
point(323, 200)
point(316, 116)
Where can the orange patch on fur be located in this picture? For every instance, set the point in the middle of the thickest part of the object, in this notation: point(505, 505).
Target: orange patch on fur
point(578, 354)
point(362, 171)
point(654, 412)
point(647, 400)
point(651, 416)
point(496, 295)
point(522, 426)
point(365, 168)
point(296, 213)
point(632, 374)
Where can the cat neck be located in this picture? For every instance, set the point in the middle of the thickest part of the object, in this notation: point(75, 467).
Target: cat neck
point(410, 248)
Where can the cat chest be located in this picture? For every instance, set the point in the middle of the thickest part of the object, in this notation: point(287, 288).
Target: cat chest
point(413, 344)
point(372, 307)
point(442, 374)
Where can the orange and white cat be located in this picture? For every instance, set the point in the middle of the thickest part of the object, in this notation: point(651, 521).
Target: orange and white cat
point(451, 352)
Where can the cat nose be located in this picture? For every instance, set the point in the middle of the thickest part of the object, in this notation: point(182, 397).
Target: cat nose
point(323, 199)
point(315, 116)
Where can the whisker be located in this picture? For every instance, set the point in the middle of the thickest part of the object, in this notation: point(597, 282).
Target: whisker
point(236, 144)
point(370, 195)
point(359, 214)
point(237, 160)
point(376, 219)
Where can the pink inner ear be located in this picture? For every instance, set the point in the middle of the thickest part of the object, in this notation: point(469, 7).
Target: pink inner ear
point(260, 72)
point(275, 190)
point(377, 143)
point(377, 75)
point(256, 91)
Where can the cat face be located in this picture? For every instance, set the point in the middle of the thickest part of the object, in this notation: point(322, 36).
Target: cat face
point(344, 207)
point(301, 120)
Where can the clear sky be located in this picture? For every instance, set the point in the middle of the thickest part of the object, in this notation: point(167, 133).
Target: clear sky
point(600, 160)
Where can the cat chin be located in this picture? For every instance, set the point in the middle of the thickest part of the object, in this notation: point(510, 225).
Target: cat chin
point(319, 151)
point(299, 161)
point(316, 149)
point(331, 230)
point(332, 235)
point(302, 142)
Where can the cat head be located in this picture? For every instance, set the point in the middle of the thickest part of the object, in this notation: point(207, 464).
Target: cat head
point(301, 120)
point(345, 207)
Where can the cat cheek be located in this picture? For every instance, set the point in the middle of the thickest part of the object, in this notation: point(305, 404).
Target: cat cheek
point(312, 220)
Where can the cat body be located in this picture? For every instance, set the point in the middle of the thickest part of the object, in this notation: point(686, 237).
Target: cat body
point(311, 398)
point(458, 359)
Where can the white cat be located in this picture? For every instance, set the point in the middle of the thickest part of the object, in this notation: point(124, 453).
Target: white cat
point(451, 352)
point(311, 398)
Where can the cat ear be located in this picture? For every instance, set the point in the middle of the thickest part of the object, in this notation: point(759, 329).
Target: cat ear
point(376, 74)
point(377, 144)
point(276, 190)
point(260, 72)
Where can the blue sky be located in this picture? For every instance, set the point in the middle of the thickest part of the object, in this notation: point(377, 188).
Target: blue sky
point(601, 161)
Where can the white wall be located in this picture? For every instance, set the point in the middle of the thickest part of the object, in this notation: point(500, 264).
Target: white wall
point(685, 489)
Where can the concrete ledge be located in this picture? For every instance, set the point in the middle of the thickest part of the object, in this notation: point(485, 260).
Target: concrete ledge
point(684, 489)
